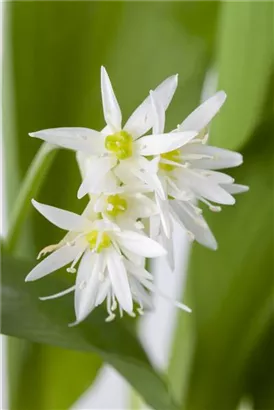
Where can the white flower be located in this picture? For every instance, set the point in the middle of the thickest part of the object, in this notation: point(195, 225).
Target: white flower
point(117, 145)
point(107, 269)
point(188, 173)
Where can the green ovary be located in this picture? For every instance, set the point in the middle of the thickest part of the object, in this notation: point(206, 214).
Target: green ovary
point(104, 243)
point(116, 205)
point(170, 156)
point(119, 144)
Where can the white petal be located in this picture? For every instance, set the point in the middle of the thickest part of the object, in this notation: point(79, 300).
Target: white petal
point(168, 245)
point(159, 114)
point(164, 214)
point(63, 219)
point(77, 139)
point(103, 291)
point(53, 262)
point(137, 271)
point(134, 258)
point(142, 118)
point(194, 223)
point(202, 116)
point(140, 206)
point(156, 290)
point(217, 177)
point(154, 226)
point(87, 284)
point(140, 244)
point(206, 188)
point(112, 112)
point(218, 157)
point(161, 143)
point(140, 294)
point(93, 182)
point(235, 188)
point(147, 173)
point(119, 280)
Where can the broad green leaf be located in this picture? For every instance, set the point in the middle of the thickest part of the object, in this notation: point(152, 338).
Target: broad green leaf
point(244, 58)
point(25, 316)
point(60, 375)
point(230, 291)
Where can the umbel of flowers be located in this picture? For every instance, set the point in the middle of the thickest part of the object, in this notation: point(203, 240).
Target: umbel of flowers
point(141, 181)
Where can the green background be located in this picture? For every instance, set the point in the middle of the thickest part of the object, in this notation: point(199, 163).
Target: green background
point(52, 57)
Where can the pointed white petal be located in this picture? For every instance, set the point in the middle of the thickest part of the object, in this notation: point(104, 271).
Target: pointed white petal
point(66, 220)
point(194, 223)
point(94, 180)
point(87, 284)
point(112, 112)
point(105, 287)
point(59, 294)
point(235, 188)
point(164, 214)
point(142, 118)
point(140, 206)
point(202, 116)
point(161, 143)
point(168, 245)
point(137, 271)
point(140, 294)
point(77, 139)
point(119, 280)
point(146, 171)
point(218, 177)
point(217, 157)
point(159, 114)
point(154, 226)
point(53, 262)
point(156, 290)
point(206, 188)
point(140, 244)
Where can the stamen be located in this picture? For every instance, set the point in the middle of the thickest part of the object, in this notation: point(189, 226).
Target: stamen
point(48, 249)
point(213, 208)
point(116, 204)
point(120, 144)
point(172, 158)
point(71, 269)
point(139, 225)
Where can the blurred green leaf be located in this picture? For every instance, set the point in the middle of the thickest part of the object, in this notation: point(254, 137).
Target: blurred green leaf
point(230, 291)
point(54, 378)
point(25, 316)
point(244, 58)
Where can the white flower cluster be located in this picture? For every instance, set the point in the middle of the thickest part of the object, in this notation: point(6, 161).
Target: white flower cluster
point(139, 187)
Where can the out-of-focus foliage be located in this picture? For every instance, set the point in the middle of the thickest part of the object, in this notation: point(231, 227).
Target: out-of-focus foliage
point(48, 377)
point(244, 62)
point(25, 316)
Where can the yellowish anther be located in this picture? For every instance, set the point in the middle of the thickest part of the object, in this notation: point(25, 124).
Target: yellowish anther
point(115, 205)
point(119, 144)
point(173, 156)
point(92, 238)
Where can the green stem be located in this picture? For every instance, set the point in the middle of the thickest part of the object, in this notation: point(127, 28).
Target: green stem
point(29, 188)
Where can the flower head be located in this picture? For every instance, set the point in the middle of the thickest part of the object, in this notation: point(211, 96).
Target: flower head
point(111, 262)
point(115, 145)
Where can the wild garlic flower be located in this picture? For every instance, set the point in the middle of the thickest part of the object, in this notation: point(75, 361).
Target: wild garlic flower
point(188, 174)
point(116, 145)
point(107, 269)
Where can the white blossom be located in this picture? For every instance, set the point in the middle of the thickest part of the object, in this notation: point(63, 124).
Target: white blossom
point(107, 269)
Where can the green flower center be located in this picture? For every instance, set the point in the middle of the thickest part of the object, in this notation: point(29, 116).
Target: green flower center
point(173, 156)
point(92, 238)
point(120, 144)
point(115, 205)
